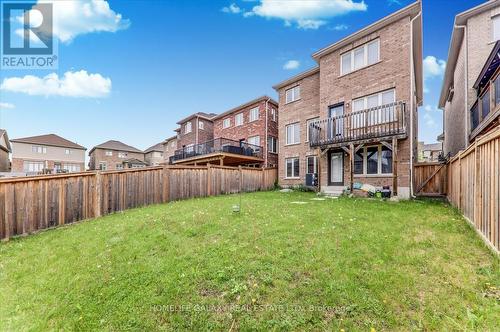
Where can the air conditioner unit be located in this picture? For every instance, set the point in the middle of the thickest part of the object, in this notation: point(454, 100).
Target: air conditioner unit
point(312, 180)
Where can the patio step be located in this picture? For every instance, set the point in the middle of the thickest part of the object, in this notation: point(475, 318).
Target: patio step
point(333, 191)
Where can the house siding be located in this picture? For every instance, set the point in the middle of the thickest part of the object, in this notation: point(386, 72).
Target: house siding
point(99, 155)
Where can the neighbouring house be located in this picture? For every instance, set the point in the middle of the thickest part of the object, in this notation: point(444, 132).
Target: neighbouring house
point(5, 150)
point(244, 135)
point(468, 92)
point(46, 154)
point(429, 152)
point(169, 147)
point(115, 155)
point(153, 156)
point(194, 129)
point(352, 120)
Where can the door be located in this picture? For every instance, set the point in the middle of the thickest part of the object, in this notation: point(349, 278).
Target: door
point(336, 124)
point(336, 169)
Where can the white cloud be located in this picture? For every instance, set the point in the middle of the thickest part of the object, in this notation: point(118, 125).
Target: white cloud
point(430, 108)
point(291, 65)
point(433, 67)
point(339, 27)
point(232, 8)
point(72, 84)
point(394, 2)
point(6, 106)
point(305, 14)
point(73, 18)
point(429, 120)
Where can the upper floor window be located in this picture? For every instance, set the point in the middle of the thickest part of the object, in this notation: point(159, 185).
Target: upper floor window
point(292, 94)
point(293, 133)
point(122, 155)
point(188, 127)
point(238, 119)
point(39, 149)
point(254, 114)
point(254, 140)
point(108, 153)
point(373, 104)
point(67, 151)
point(201, 125)
point(226, 123)
point(360, 57)
point(496, 27)
point(273, 114)
point(272, 143)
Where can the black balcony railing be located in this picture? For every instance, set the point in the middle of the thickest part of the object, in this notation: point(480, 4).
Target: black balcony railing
point(218, 145)
point(376, 122)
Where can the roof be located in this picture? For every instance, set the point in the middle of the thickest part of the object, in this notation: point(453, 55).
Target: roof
point(169, 139)
point(432, 147)
point(134, 161)
point(251, 102)
point(203, 115)
point(116, 145)
point(296, 78)
point(7, 146)
point(456, 43)
point(489, 67)
point(50, 140)
point(157, 147)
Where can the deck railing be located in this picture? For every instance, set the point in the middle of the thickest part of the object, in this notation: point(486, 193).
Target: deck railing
point(221, 145)
point(381, 121)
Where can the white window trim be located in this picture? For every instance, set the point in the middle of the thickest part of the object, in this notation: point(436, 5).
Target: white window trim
point(315, 163)
point(236, 124)
point(269, 138)
point(188, 127)
point(492, 36)
point(365, 106)
point(379, 163)
point(308, 121)
point(294, 99)
point(286, 134)
point(224, 123)
point(108, 153)
point(250, 114)
point(201, 125)
point(351, 52)
point(251, 138)
point(286, 168)
point(273, 115)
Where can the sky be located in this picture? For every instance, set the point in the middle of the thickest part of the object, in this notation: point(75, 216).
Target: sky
point(129, 70)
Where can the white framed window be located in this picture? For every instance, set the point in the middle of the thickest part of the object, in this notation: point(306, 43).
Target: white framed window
point(254, 114)
point(33, 166)
point(67, 151)
point(238, 119)
point(293, 133)
point(495, 21)
point(108, 153)
point(272, 144)
point(103, 166)
point(254, 140)
point(226, 123)
point(292, 167)
point(308, 123)
point(189, 148)
point(188, 127)
point(201, 125)
point(122, 155)
point(39, 149)
point(71, 167)
point(312, 164)
point(119, 166)
point(292, 94)
point(373, 160)
point(274, 116)
point(373, 104)
point(360, 57)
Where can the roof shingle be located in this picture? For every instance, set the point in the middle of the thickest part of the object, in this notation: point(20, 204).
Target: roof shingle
point(51, 140)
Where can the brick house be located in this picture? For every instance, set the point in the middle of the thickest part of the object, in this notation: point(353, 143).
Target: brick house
point(115, 155)
point(353, 119)
point(46, 154)
point(5, 150)
point(195, 129)
point(153, 156)
point(468, 97)
point(169, 147)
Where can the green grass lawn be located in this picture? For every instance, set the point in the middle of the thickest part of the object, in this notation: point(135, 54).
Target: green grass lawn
point(351, 264)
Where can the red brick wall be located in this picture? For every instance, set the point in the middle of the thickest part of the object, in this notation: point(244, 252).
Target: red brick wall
point(99, 155)
point(196, 135)
point(18, 164)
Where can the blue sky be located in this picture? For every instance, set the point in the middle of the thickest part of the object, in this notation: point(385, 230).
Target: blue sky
point(130, 70)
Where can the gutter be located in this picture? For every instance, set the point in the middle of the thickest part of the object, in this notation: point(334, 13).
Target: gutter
point(412, 97)
point(466, 72)
point(267, 134)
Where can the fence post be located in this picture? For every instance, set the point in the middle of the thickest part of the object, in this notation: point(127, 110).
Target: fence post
point(477, 187)
point(62, 202)
point(263, 182)
point(97, 194)
point(166, 184)
point(209, 179)
point(240, 179)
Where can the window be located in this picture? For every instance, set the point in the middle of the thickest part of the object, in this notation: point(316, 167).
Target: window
point(122, 155)
point(292, 94)
point(312, 164)
point(360, 57)
point(254, 140)
point(108, 153)
point(67, 151)
point(119, 166)
point(39, 149)
point(308, 125)
point(226, 123)
point(201, 125)
point(254, 114)
point(293, 133)
point(378, 115)
point(497, 90)
point(272, 144)
point(102, 166)
point(273, 115)
point(33, 166)
point(188, 127)
point(292, 167)
point(238, 119)
point(71, 167)
point(373, 160)
point(475, 116)
point(485, 104)
point(496, 27)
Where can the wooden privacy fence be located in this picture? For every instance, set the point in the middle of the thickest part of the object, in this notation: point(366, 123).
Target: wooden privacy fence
point(474, 186)
point(430, 179)
point(35, 203)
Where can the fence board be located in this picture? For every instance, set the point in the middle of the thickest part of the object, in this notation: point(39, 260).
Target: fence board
point(437, 174)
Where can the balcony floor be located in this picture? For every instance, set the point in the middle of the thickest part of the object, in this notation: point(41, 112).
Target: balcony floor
point(336, 143)
point(221, 158)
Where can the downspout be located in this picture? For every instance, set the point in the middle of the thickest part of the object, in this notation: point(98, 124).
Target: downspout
point(267, 134)
point(466, 72)
point(412, 94)
point(197, 128)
